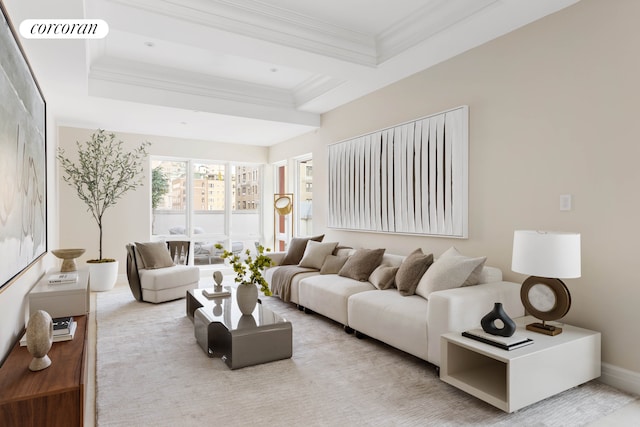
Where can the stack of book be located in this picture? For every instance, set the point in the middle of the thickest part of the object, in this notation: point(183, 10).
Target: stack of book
point(64, 328)
point(505, 343)
point(59, 278)
point(210, 293)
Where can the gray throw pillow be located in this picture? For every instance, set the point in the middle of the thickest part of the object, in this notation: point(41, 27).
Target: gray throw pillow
point(296, 249)
point(332, 264)
point(411, 271)
point(383, 277)
point(361, 264)
point(154, 255)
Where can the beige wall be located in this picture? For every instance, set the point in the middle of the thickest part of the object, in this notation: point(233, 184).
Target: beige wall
point(553, 108)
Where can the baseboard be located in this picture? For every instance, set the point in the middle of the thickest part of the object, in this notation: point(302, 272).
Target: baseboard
point(622, 379)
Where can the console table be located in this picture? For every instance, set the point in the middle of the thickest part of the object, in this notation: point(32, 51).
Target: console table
point(52, 397)
point(511, 380)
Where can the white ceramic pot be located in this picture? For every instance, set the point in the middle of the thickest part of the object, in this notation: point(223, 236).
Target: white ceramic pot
point(247, 298)
point(102, 275)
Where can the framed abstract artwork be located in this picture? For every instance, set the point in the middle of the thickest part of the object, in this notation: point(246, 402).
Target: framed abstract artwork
point(23, 180)
point(410, 178)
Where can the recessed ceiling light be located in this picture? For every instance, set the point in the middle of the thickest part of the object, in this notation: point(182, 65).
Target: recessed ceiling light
point(149, 44)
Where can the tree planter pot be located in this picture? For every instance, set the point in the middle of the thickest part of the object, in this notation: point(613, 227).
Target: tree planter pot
point(102, 275)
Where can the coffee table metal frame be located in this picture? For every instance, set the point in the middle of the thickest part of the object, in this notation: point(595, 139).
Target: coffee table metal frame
point(240, 340)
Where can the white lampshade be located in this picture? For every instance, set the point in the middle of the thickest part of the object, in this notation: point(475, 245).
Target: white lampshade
point(546, 254)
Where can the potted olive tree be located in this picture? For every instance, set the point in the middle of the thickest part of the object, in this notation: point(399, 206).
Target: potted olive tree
point(103, 173)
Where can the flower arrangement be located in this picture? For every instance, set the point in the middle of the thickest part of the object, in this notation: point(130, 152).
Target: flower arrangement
point(249, 270)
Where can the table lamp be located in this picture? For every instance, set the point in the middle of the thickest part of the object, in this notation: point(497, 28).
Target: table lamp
point(547, 257)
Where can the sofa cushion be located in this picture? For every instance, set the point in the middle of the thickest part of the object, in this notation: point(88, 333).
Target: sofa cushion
point(332, 264)
point(361, 264)
point(411, 271)
point(315, 253)
point(296, 249)
point(383, 277)
point(154, 255)
point(450, 270)
point(394, 319)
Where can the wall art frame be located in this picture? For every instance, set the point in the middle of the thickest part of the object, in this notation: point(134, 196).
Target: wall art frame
point(23, 159)
point(410, 178)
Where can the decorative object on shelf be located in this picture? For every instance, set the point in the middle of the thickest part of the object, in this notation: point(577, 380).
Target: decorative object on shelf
point(103, 173)
point(282, 217)
point(39, 339)
point(546, 256)
point(488, 322)
point(68, 257)
point(217, 279)
point(248, 275)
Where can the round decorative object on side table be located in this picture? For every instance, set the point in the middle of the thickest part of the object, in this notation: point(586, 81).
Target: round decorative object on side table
point(39, 339)
point(68, 257)
point(546, 299)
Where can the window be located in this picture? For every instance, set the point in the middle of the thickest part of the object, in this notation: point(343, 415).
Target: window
point(201, 205)
point(168, 197)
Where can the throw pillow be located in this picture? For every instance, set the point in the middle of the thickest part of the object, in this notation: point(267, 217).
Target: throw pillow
point(315, 253)
point(296, 249)
point(383, 277)
point(451, 270)
point(411, 271)
point(361, 264)
point(154, 255)
point(332, 264)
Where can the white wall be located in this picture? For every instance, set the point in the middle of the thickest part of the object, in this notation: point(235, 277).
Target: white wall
point(553, 110)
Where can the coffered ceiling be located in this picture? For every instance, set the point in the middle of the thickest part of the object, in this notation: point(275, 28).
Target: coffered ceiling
point(248, 71)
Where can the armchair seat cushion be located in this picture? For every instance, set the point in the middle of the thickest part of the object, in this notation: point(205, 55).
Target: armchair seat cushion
point(165, 284)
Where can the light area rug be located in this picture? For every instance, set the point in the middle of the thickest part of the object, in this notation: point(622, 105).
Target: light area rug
point(152, 372)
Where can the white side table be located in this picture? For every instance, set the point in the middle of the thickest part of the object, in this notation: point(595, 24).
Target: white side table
point(62, 299)
point(511, 380)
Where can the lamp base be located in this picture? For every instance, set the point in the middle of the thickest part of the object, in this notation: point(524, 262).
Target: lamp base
point(543, 328)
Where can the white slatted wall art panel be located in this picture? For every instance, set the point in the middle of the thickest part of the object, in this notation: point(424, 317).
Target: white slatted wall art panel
point(411, 178)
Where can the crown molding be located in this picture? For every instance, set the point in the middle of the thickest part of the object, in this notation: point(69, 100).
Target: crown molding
point(436, 16)
point(259, 20)
point(314, 87)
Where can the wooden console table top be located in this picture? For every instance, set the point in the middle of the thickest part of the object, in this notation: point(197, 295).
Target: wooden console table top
point(62, 383)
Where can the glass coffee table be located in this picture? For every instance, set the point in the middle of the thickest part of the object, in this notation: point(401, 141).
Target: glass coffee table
point(240, 340)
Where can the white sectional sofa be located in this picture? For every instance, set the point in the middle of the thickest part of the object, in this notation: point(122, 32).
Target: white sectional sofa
point(410, 323)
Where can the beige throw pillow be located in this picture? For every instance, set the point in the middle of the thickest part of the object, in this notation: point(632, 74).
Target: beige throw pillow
point(361, 264)
point(296, 249)
point(383, 277)
point(332, 264)
point(315, 253)
point(154, 255)
point(411, 271)
point(451, 270)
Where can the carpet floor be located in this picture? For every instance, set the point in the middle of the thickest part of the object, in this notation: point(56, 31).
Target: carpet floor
point(151, 372)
